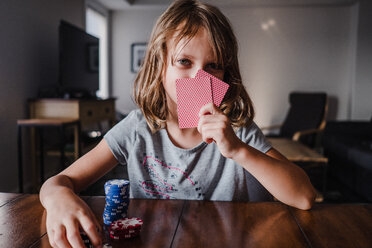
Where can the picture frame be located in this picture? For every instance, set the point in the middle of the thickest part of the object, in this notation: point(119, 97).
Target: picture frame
point(138, 51)
point(93, 57)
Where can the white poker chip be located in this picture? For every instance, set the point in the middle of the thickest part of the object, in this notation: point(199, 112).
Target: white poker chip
point(117, 182)
point(127, 223)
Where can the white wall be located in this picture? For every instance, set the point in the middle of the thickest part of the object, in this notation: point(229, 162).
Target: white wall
point(128, 27)
point(28, 60)
point(362, 100)
point(308, 49)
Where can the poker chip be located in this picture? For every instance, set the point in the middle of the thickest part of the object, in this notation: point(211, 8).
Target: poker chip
point(117, 200)
point(125, 228)
point(86, 240)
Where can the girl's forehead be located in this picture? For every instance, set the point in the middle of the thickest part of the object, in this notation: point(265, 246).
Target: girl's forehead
point(179, 40)
point(183, 33)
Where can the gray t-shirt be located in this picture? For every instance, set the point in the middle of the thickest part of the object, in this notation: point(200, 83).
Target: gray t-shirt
point(159, 169)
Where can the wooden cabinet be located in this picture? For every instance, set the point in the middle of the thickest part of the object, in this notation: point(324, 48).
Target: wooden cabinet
point(89, 111)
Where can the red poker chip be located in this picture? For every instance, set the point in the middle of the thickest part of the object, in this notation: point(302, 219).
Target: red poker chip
point(126, 223)
point(125, 236)
point(126, 231)
point(125, 228)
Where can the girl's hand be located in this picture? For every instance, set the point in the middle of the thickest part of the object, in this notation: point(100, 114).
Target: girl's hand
point(215, 126)
point(65, 214)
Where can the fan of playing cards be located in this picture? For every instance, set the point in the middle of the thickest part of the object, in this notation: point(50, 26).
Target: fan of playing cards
point(194, 93)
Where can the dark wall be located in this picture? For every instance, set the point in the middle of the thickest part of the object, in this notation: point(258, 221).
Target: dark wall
point(28, 61)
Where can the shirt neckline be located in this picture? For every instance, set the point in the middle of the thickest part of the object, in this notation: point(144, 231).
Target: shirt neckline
point(169, 142)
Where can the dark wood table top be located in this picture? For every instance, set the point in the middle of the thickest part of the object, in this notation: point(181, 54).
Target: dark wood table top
point(180, 223)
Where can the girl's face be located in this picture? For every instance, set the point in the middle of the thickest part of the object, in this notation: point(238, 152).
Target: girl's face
point(196, 54)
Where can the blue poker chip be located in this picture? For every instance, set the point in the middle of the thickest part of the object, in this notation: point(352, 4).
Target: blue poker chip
point(117, 200)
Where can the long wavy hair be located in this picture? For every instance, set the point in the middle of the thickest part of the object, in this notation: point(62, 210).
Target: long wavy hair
point(184, 18)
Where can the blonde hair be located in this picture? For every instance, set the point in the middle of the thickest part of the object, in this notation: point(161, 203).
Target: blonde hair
point(149, 93)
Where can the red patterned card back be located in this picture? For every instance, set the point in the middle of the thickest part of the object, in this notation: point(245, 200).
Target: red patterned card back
point(192, 94)
point(219, 87)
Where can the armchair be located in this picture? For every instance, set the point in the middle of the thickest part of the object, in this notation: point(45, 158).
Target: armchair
point(305, 120)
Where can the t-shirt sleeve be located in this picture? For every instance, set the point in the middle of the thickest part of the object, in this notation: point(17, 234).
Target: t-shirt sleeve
point(253, 136)
point(122, 137)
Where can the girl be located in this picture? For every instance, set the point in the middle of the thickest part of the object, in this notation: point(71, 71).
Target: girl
point(225, 158)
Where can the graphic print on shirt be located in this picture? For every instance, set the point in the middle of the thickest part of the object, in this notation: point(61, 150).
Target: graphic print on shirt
point(163, 181)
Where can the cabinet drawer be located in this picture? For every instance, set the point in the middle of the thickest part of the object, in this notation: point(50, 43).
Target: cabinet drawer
point(54, 109)
point(91, 112)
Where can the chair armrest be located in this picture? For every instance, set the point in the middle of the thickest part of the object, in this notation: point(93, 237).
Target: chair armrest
point(297, 135)
point(271, 127)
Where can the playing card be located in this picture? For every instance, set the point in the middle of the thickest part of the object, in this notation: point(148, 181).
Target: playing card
point(192, 94)
point(219, 87)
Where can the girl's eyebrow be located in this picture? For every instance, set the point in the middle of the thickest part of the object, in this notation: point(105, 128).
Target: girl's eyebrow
point(190, 56)
point(185, 55)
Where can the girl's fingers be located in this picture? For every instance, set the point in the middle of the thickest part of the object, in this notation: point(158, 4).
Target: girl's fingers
point(209, 109)
point(60, 238)
point(208, 137)
point(210, 113)
point(91, 229)
point(51, 238)
point(219, 120)
point(211, 132)
point(73, 234)
point(98, 225)
point(213, 127)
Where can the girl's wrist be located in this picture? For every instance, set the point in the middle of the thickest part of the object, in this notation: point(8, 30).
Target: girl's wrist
point(58, 194)
point(238, 151)
point(242, 154)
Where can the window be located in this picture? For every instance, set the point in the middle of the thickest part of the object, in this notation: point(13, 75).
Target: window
point(97, 25)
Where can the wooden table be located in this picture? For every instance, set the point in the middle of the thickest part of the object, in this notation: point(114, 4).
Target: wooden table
point(180, 223)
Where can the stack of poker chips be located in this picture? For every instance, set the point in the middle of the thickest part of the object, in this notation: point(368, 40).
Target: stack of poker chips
point(117, 200)
point(125, 228)
point(86, 239)
point(87, 242)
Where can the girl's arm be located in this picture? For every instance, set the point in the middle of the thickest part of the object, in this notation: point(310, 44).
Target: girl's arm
point(283, 179)
point(66, 212)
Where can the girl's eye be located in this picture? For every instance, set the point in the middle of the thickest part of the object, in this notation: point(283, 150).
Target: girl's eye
point(214, 66)
point(184, 62)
